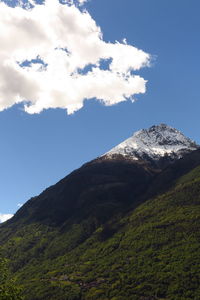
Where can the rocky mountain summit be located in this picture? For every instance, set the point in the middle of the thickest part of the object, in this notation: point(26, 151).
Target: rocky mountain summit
point(158, 144)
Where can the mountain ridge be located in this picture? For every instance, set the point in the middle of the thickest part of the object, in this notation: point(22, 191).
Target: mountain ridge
point(154, 144)
point(140, 164)
point(114, 229)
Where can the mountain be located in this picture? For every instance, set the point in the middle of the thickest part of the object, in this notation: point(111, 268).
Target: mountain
point(157, 144)
point(124, 226)
point(100, 185)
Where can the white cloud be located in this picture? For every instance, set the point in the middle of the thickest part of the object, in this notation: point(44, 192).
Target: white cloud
point(67, 40)
point(5, 217)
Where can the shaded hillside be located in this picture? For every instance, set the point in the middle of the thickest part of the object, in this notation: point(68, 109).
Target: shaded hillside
point(95, 235)
point(100, 189)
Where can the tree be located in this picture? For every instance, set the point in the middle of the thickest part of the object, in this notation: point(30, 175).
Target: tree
point(8, 288)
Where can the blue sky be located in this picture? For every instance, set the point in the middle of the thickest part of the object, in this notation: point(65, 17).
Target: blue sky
point(39, 149)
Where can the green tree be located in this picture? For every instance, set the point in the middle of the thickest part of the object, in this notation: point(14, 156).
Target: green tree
point(8, 288)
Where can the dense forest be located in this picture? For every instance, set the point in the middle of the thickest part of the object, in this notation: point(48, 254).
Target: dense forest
point(146, 251)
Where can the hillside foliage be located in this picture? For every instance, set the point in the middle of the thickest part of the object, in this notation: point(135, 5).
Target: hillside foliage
point(8, 288)
point(150, 252)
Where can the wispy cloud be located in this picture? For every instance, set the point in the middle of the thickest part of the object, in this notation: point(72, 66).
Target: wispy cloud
point(5, 217)
point(54, 56)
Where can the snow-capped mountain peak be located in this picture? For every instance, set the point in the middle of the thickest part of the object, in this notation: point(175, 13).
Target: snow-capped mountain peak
point(157, 142)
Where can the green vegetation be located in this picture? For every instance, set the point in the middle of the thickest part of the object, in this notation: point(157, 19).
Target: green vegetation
point(152, 252)
point(8, 288)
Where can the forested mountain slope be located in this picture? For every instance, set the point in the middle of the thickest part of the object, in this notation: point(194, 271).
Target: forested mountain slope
point(111, 230)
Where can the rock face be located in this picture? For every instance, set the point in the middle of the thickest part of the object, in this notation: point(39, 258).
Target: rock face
point(158, 145)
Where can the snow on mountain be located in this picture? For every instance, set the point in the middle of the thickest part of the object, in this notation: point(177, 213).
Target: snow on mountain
point(157, 142)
